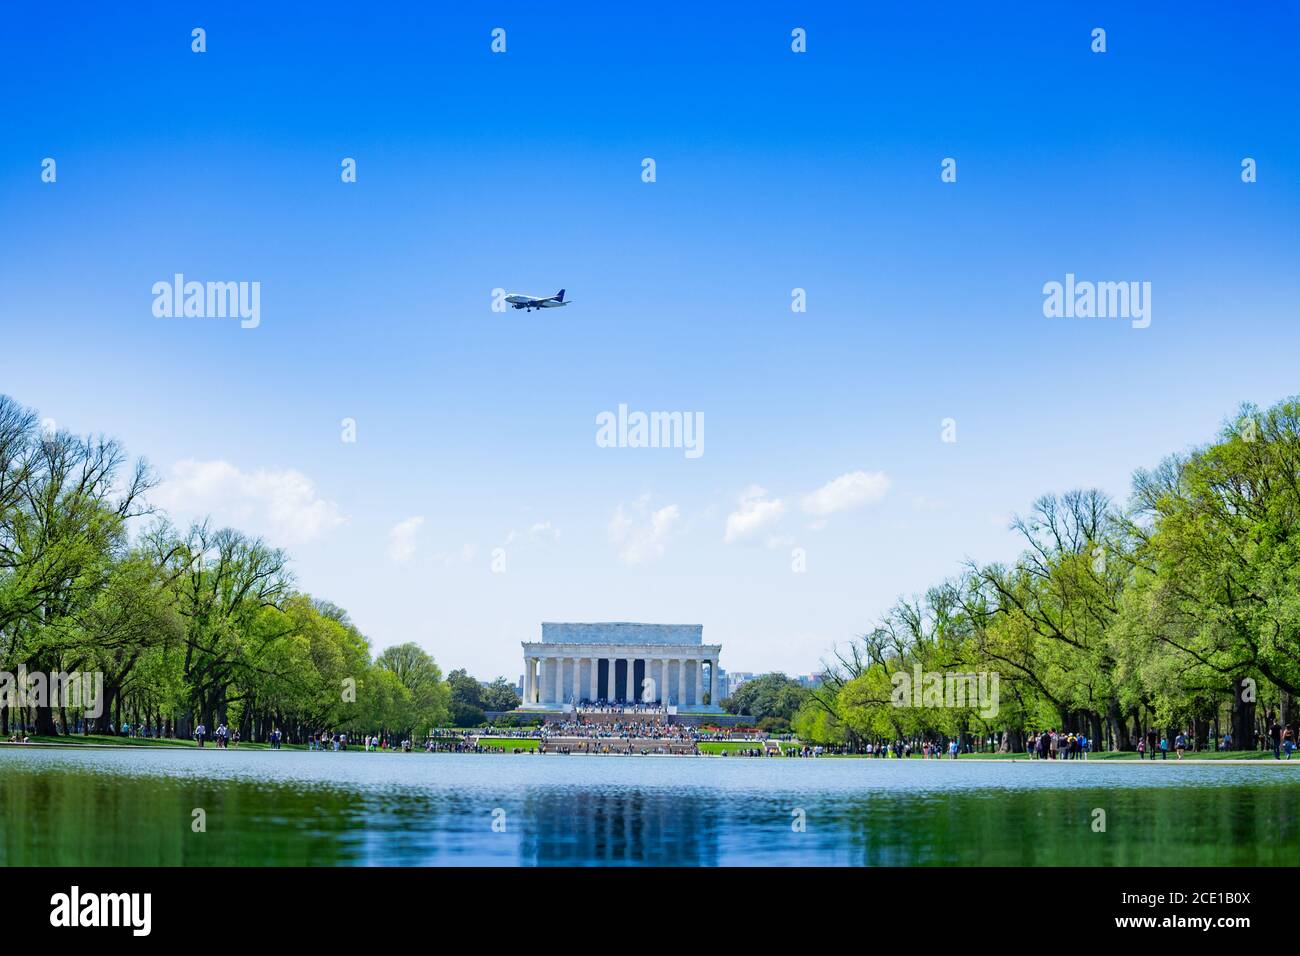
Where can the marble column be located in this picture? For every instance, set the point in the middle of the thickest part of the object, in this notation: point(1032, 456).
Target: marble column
point(631, 680)
point(681, 681)
point(530, 681)
point(699, 682)
point(595, 679)
point(611, 690)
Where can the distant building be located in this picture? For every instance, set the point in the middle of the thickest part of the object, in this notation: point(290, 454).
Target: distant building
point(723, 685)
point(622, 663)
point(737, 679)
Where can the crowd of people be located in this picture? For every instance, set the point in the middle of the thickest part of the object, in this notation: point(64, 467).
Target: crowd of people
point(1281, 739)
point(1058, 745)
point(615, 745)
point(927, 749)
point(614, 707)
point(797, 749)
point(620, 729)
point(127, 729)
point(733, 733)
point(479, 747)
point(223, 737)
point(649, 722)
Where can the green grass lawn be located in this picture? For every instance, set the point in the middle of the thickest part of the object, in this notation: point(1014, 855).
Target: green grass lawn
point(1189, 755)
point(510, 743)
point(1235, 755)
point(77, 740)
point(728, 746)
point(715, 747)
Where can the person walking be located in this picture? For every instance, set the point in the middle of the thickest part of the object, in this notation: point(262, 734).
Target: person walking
point(1275, 735)
point(199, 732)
point(1164, 748)
point(1180, 744)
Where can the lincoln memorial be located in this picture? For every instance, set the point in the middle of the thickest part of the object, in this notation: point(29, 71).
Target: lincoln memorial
point(664, 664)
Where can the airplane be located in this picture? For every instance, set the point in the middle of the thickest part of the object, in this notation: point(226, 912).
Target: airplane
point(528, 302)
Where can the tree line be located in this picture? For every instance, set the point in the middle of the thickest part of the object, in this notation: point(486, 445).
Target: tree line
point(186, 625)
point(1176, 610)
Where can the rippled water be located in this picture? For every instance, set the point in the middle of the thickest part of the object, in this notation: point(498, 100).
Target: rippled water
point(136, 807)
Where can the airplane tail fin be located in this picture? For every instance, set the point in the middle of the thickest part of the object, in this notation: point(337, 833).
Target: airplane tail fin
point(560, 297)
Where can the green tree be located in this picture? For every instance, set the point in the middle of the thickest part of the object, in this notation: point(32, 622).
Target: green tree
point(421, 676)
point(467, 699)
point(1218, 545)
point(771, 695)
point(500, 696)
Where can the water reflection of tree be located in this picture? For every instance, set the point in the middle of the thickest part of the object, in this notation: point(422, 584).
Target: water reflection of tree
point(77, 818)
point(1241, 825)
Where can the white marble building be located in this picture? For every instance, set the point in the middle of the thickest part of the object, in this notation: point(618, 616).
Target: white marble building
point(669, 664)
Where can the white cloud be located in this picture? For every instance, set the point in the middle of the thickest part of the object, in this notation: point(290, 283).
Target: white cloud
point(643, 534)
point(544, 531)
point(401, 538)
point(280, 503)
point(850, 490)
point(754, 512)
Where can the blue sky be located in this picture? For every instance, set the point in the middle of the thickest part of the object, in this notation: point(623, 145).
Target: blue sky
point(522, 171)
